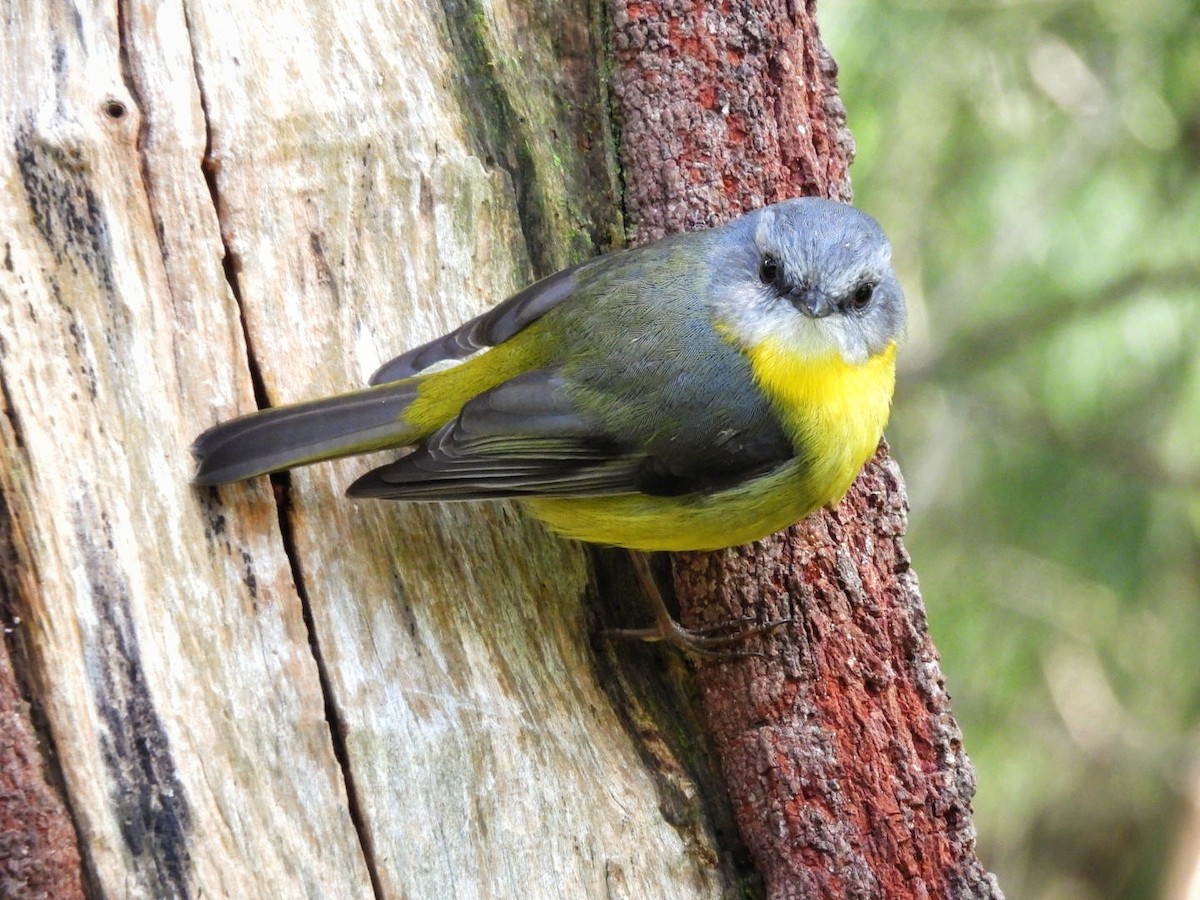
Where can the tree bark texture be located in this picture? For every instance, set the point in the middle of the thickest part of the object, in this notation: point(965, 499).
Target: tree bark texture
point(845, 767)
point(39, 856)
point(269, 690)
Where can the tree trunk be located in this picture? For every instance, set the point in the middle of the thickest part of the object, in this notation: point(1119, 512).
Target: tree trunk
point(843, 762)
point(267, 689)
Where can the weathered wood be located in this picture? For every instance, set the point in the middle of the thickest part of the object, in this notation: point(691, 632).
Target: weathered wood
point(163, 642)
point(278, 692)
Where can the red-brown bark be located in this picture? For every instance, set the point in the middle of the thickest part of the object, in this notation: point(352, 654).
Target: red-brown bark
point(39, 856)
point(845, 767)
point(723, 107)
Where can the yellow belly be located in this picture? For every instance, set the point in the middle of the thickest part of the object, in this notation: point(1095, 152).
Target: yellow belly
point(833, 410)
point(691, 522)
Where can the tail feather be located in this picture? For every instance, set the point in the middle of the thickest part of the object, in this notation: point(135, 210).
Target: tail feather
point(303, 433)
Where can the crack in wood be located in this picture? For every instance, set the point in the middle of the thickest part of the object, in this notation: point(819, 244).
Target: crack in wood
point(281, 484)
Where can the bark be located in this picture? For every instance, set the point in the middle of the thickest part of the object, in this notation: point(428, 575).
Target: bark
point(844, 765)
point(38, 853)
point(266, 689)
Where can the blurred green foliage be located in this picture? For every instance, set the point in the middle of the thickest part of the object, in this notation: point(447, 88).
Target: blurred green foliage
point(1036, 165)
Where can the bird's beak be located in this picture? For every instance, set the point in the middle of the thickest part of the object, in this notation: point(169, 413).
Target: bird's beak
point(813, 302)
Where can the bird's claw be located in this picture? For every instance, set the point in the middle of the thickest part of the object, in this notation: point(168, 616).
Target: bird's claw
point(711, 642)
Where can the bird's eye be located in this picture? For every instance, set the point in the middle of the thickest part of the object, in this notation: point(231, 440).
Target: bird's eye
point(768, 270)
point(862, 296)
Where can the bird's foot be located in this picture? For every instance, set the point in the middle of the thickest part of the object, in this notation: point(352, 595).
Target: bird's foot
point(714, 642)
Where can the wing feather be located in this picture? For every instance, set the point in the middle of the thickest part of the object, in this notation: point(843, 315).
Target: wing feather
point(523, 438)
point(493, 327)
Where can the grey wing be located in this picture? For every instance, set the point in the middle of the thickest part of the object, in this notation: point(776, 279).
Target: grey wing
point(522, 438)
point(494, 326)
point(528, 437)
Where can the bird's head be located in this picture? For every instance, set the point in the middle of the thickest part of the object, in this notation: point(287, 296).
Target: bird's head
point(813, 275)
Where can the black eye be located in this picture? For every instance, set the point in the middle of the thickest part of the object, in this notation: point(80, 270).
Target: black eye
point(862, 296)
point(768, 270)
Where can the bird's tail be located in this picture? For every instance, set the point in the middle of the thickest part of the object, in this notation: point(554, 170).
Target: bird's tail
point(303, 433)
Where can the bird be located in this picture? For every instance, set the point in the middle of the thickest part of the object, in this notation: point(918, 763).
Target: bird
point(702, 391)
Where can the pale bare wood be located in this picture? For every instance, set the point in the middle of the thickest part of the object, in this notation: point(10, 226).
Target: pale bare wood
point(182, 700)
point(164, 636)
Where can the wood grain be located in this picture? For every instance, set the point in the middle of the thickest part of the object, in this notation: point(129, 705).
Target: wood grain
point(266, 689)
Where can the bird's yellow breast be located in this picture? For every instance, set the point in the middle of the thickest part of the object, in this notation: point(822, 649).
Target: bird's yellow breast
point(833, 410)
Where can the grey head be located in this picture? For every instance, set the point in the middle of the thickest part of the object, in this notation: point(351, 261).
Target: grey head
point(811, 274)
